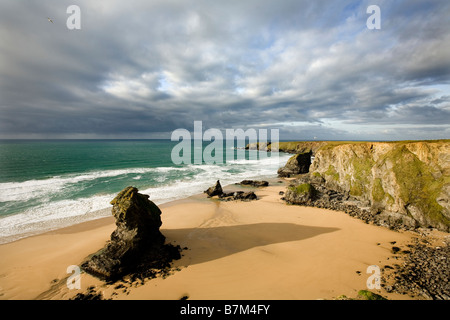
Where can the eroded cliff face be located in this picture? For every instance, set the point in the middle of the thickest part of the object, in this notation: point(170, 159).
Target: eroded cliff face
point(403, 180)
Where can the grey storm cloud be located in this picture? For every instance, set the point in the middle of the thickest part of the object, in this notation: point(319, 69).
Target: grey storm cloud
point(141, 69)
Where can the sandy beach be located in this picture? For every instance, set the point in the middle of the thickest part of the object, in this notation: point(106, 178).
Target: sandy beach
point(263, 249)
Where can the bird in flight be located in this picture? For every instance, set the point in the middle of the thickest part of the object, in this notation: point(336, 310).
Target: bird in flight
point(50, 20)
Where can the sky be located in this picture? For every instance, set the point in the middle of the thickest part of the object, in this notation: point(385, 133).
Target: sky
point(142, 69)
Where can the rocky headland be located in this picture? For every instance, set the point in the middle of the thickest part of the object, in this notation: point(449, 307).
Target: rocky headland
point(401, 185)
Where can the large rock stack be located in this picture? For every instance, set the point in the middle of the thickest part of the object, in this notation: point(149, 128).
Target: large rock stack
point(136, 240)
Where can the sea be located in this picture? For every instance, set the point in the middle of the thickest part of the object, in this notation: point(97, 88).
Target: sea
point(50, 184)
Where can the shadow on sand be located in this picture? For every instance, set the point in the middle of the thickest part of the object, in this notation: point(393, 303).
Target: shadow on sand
point(207, 244)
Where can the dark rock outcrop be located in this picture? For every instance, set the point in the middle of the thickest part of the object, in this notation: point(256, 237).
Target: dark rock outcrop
point(254, 183)
point(239, 195)
point(136, 244)
point(301, 193)
point(424, 271)
point(309, 190)
point(90, 295)
point(297, 164)
point(215, 190)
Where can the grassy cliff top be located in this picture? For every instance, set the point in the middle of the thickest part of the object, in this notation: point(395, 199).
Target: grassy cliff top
point(314, 146)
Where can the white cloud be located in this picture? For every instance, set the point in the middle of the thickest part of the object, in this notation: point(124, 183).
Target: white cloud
point(234, 63)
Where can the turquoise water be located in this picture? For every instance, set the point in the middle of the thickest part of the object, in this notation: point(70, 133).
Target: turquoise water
point(46, 184)
point(25, 160)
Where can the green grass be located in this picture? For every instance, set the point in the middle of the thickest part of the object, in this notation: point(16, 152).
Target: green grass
point(417, 185)
point(307, 146)
point(304, 188)
point(378, 193)
point(368, 295)
point(390, 199)
point(316, 174)
point(332, 172)
point(362, 295)
point(362, 168)
point(356, 189)
point(333, 144)
point(294, 146)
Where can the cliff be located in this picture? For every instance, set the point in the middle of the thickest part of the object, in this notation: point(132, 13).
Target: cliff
point(406, 180)
point(289, 146)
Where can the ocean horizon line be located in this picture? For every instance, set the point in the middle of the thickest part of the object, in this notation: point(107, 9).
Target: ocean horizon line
point(168, 139)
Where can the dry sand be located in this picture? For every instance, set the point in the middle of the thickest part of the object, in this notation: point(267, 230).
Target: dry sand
point(261, 249)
